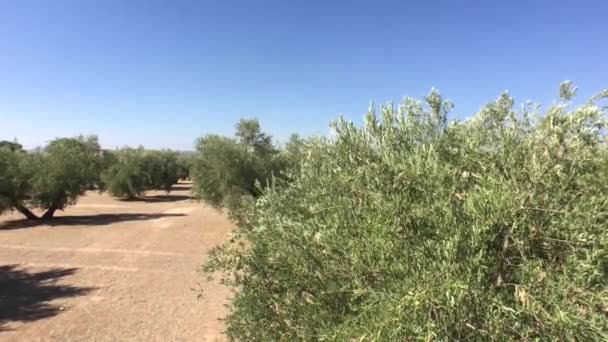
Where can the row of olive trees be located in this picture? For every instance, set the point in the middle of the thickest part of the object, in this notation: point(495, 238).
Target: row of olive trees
point(55, 176)
point(413, 227)
point(132, 171)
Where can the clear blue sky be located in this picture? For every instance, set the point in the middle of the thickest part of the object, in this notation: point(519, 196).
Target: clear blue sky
point(161, 73)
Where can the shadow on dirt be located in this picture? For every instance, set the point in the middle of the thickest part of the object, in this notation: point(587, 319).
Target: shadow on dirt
point(159, 198)
point(25, 296)
point(181, 187)
point(84, 220)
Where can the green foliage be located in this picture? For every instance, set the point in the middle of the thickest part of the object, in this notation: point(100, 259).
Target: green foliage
point(125, 177)
point(161, 168)
point(415, 228)
point(249, 133)
point(295, 151)
point(51, 179)
point(68, 167)
point(11, 145)
point(227, 169)
point(108, 160)
point(65, 170)
point(184, 165)
point(14, 177)
point(134, 170)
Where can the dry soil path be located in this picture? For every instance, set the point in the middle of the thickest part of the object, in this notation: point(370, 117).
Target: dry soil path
point(110, 270)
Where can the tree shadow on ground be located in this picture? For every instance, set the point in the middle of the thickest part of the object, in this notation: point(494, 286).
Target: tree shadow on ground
point(181, 187)
point(159, 198)
point(84, 220)
point(26, 296)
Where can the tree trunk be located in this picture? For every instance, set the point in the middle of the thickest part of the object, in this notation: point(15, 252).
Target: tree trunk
point(50, 212)
point(26, 212)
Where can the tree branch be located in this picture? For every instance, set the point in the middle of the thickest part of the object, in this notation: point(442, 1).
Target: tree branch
point(25, 211)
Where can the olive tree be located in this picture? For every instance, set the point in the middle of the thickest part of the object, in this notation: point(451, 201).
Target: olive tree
point(184, 166)
point(125, 177)
point(294, 152)
point(413, 227)
point(135, 170)
point(65, 170)
point(228, 169)
point(161, 169)
point(50, 179)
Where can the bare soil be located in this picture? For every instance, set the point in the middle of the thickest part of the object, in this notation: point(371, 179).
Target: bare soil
point(109, 270)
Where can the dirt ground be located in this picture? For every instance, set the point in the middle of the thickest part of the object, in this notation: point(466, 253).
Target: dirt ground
point(110, 270)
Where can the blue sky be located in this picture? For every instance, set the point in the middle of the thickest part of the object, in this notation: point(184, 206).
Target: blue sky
point(161, 73)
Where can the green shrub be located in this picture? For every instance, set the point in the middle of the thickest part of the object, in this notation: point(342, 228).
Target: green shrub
point(415, 228)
